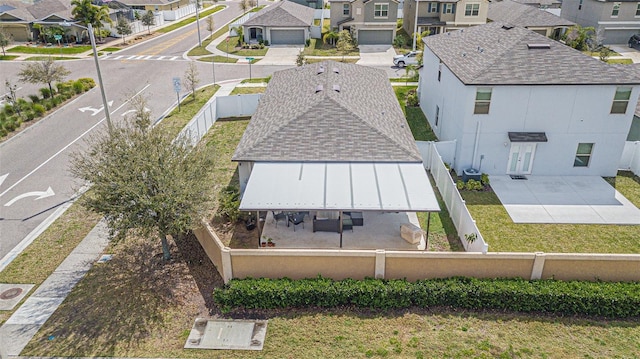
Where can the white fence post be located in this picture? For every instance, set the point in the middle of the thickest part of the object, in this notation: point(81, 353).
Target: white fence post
point(380, 263)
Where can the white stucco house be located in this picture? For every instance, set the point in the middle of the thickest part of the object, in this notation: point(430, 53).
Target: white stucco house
point(519, 103)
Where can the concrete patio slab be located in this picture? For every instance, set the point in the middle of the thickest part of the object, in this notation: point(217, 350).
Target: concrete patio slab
point(383, 226)
point(12, 294)
point(564, 199)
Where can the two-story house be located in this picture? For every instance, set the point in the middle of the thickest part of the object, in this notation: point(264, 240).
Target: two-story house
point(530, 17)
point(519, 103)
point(443, 15)
point(371, 22)
point(617, 20)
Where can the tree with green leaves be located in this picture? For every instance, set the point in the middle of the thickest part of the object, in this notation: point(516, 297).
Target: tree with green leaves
point(330, 38)
point(580, 38)
point(5, 40)
point(210, 25)
point(300, 59)
point(43, 72)
point(145, 182)
point(87, 13)
point(148, 20)
point(123, 27)
point(345, 43)
point(192, 78)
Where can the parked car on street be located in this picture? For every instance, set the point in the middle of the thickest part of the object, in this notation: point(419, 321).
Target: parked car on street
point(410, 58)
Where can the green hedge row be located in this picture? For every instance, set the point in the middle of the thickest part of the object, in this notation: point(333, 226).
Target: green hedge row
point(604, 299)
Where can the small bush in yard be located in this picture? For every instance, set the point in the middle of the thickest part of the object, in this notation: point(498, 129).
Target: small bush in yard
point(38, 109)
point(602, 299)
point(45, 92)
point(229, 203)
point(473, 185)
point(78, 87)
point(34, 98)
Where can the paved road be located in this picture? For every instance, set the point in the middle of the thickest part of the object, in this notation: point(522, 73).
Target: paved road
point(34, 177)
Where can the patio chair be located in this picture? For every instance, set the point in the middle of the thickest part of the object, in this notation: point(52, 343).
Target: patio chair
point(296, 219)
point(279, 217)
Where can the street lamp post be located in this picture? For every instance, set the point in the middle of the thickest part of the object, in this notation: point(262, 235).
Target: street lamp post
point(198, 22)
point(89, 28)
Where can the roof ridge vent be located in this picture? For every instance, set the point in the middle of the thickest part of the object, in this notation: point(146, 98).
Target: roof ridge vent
point(336, 88)
point(336, 70)
point(507, 27)
point(539, 46)
point(319, 88)
point(320, 70)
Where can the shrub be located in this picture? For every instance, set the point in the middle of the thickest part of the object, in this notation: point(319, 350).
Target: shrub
point(399, 41)
point(8, 109)
point(473, 185)
point(229, 202)
point(484, 178)
point(63, 87)
point(307, 42)
point(266, 42)
point(603, 299)
point(45, 92)
point(29, 115)
point(56, 100)
point(87, 82)
point(38, 109)
point(460, 185)
point(412, 98)
point(34, 98)
point(78, 87)
point(48, 105)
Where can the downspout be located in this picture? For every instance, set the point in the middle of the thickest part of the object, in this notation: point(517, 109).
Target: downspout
point(415, 28)
point(475, 145)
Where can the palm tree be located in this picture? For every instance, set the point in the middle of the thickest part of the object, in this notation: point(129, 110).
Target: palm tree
point(87, 13)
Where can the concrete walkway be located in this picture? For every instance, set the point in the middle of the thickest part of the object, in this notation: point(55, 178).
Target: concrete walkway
point(625, 53)
point(25, 322)
point(564, 199)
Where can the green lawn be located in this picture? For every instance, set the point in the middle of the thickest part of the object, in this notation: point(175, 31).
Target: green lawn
point(248, 90)
point(620, 61)
point(8, 57)
point(417, 121)
point(44, 58)
point(50, 50)
point(317, 48)
point(201, 50)
point(503, 235)
point(229, 46)
point(256, 80)
point(179, 117)
point(217, 58)
point(111, 49)
point(188, 21)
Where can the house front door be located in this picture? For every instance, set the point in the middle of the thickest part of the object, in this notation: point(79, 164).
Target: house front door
point(521, 158)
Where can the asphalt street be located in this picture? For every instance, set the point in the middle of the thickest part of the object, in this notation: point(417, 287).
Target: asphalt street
point(35, 183)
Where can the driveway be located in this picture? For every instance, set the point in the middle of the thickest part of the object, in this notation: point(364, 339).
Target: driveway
point(376, 55)
point(281, 55)
point(626, 51)
point(564, 199)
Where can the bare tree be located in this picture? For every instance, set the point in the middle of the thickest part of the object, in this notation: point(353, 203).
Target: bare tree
point(43, 72)
point(210, 25)
point(191, 78)
point(12, 98)
point(246, 5)
point(5, 40)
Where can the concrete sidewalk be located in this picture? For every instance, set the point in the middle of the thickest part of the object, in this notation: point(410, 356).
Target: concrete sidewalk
point(25, 322)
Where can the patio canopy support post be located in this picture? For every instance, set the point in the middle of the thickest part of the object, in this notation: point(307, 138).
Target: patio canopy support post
point(340, 219)
point(426, 238)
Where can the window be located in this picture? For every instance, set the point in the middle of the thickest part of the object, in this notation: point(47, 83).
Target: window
point(346, 9)
point(437, 114)
point(583, 155)
point(621, 100)
point(381, 10)
point(433, 7)
point(616, 9)
point(447, 8)
point(638, 9)
point(472, 10)
point(439, 71)
point(483, 100)
point(580, 5)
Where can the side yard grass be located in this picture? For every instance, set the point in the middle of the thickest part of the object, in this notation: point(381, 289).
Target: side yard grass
point(417, 121)
point(503, 235)
point(49, 50)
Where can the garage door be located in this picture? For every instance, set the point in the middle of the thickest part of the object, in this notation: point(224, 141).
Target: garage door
point(618, 36)
point(375, 37)
point(287, 37)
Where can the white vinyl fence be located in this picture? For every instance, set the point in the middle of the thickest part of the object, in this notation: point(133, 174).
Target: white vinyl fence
point(172, 15)
point(630, 159)
point(464, 223)
point(137, 26)
point(219, 107)
point(238, 23)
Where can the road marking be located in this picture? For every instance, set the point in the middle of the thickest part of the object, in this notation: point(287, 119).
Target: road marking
point(2, 178)
point(173, 58)
point(94, 110)
point(161, 57)
point(68, 145)
point(157, 49)
point(40, 194)
point(131, 57)
point(130, 111)
point(148, 57)
point(118, 57)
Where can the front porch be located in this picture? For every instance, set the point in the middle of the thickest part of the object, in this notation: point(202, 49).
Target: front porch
point(380, 230)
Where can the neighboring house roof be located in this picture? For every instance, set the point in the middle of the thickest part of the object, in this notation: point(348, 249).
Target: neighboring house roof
point(539, 2)
point(146, 2)
point(499, 54)
point(284, 13)
point(524, 15)
point(354, 116)
point(40, 10)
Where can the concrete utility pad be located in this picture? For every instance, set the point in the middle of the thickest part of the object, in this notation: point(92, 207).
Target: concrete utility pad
point(12, 294)
point(564, 199)
point(227, 334)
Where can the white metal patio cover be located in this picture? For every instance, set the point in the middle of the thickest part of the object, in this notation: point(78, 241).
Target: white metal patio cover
point(339, 186)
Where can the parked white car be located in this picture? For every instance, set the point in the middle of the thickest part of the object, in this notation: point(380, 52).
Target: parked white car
point(410, 58)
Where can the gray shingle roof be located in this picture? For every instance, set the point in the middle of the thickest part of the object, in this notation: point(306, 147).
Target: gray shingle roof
point(363, 122)
point(524, 15)
point(539, 2)
point(283, 14)
point(45, 8)
point(494, 54)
